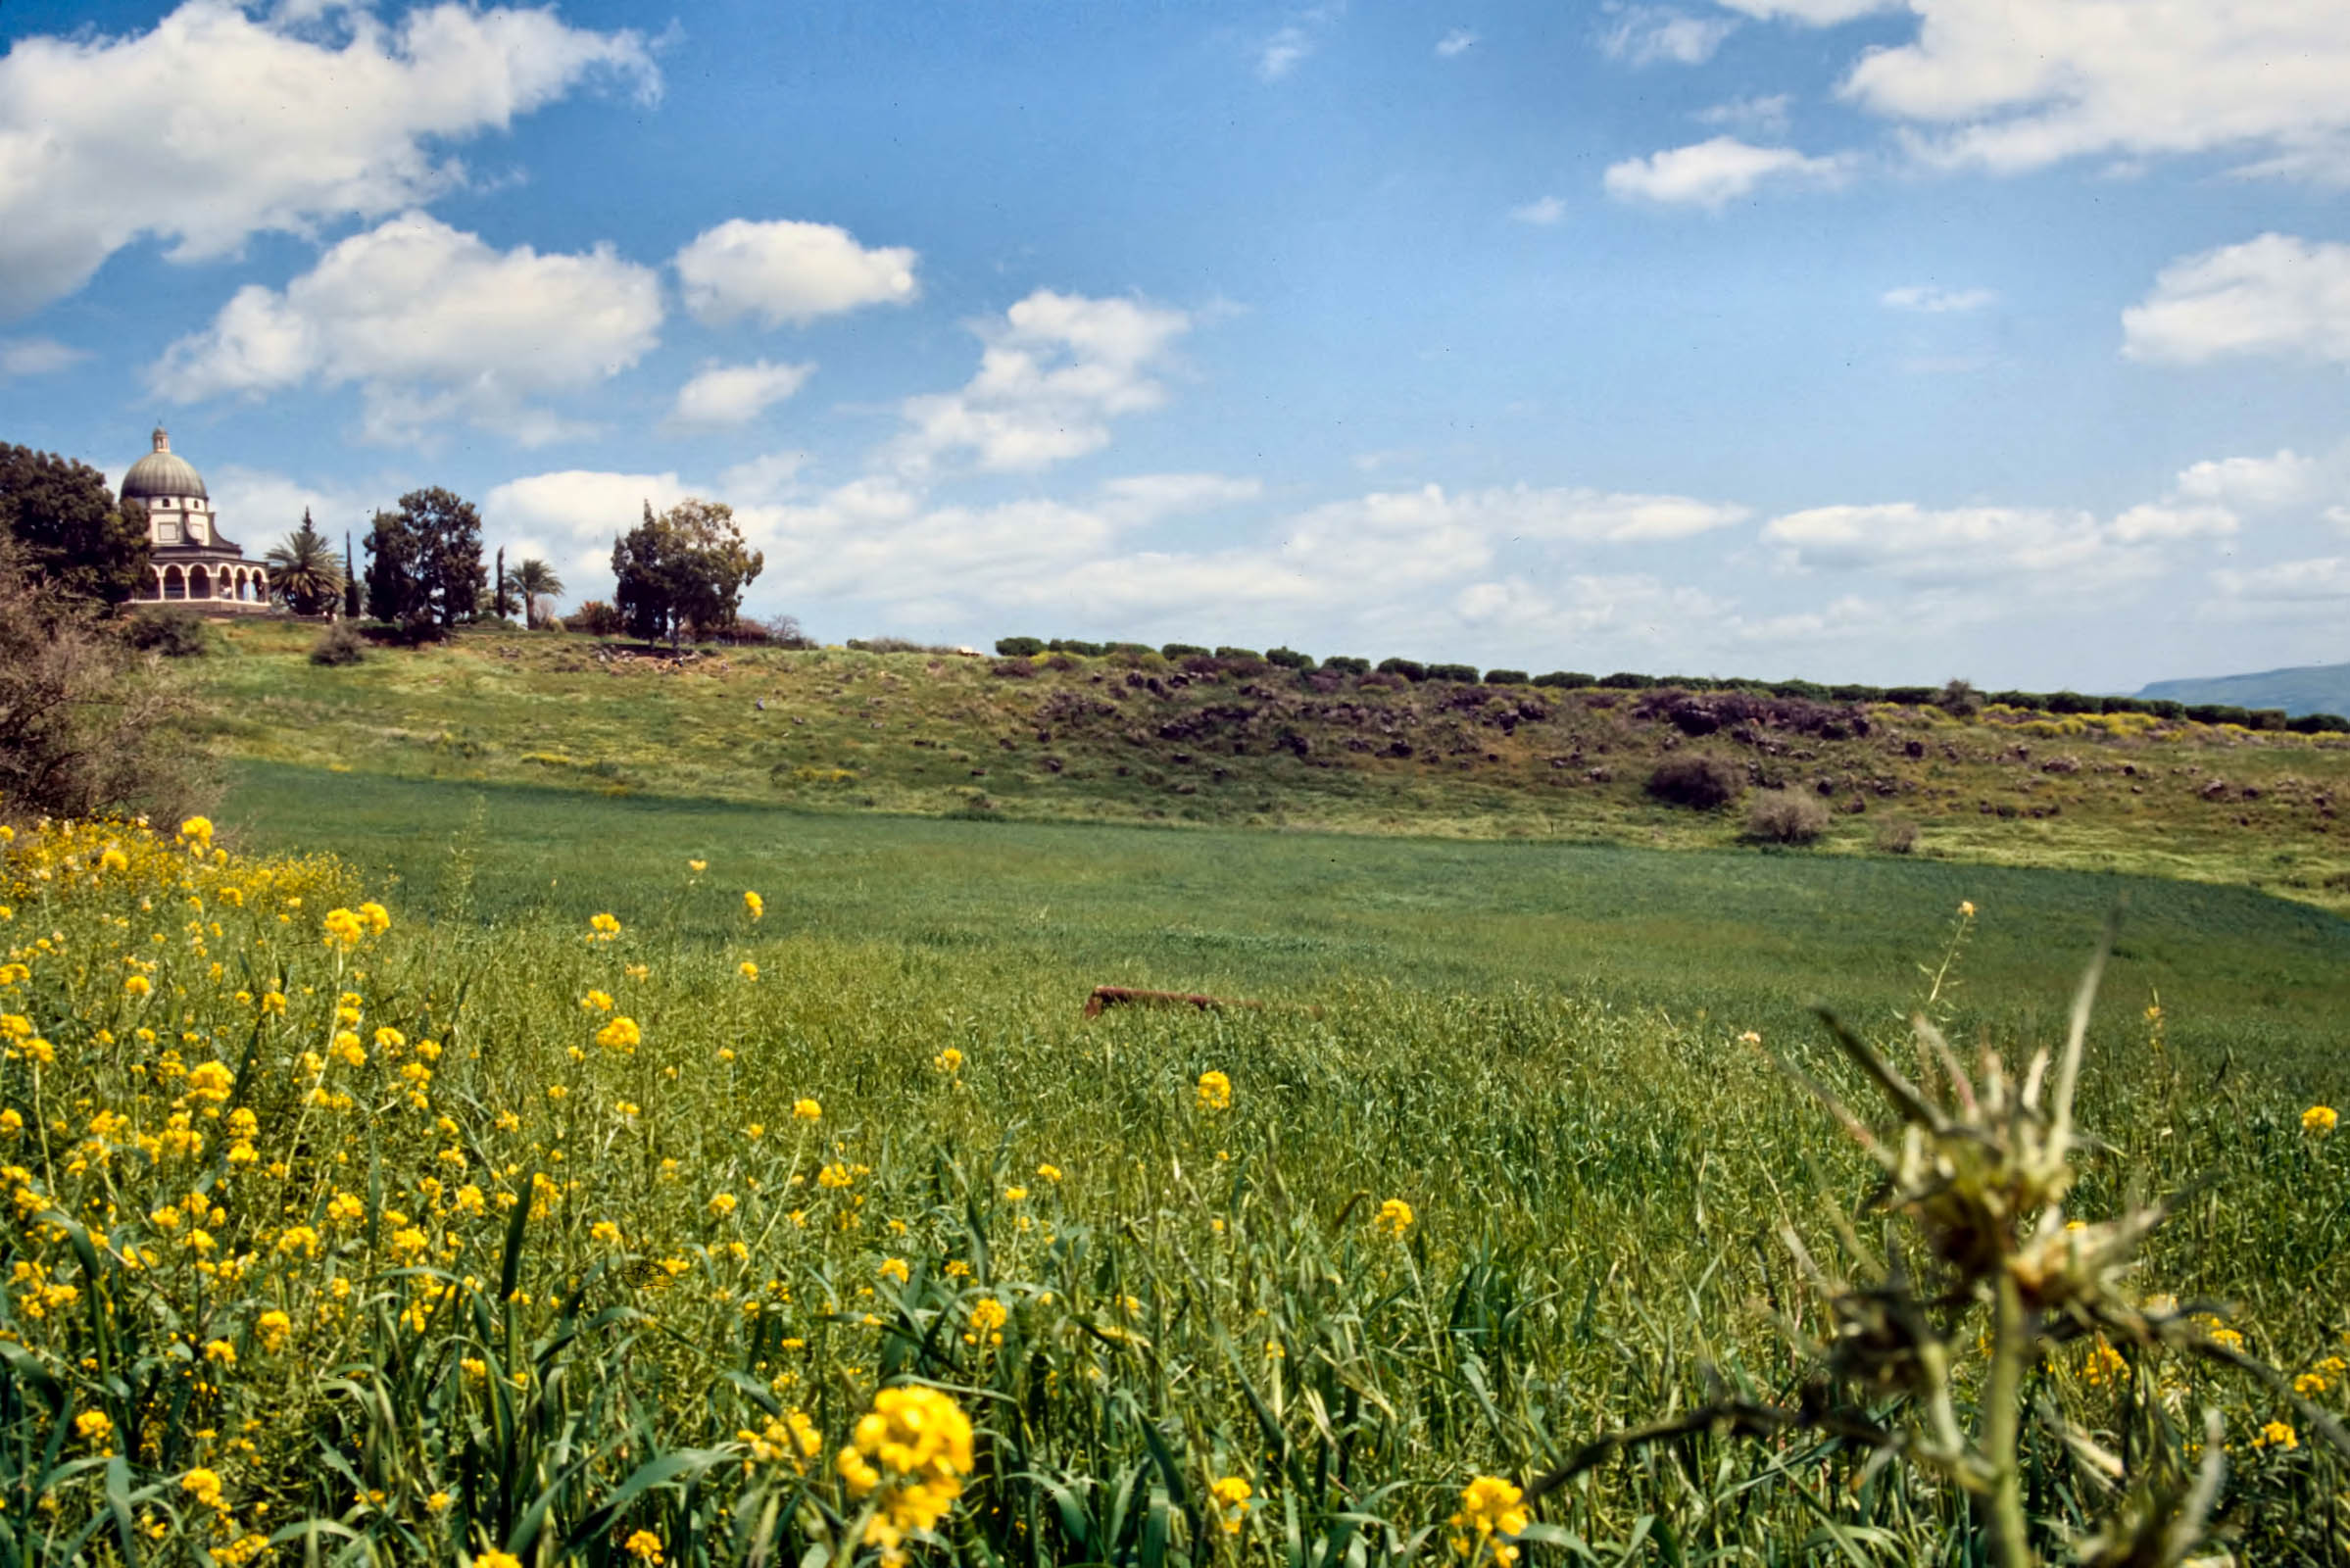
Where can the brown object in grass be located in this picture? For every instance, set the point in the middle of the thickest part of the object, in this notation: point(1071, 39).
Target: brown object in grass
point(1108, 997)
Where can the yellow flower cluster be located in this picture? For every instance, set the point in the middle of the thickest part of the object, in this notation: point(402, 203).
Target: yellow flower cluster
point(1395, 1218)
point(2318, 1119)
point(1214, 1091)
point(908, 1454)
point(1491, 1511)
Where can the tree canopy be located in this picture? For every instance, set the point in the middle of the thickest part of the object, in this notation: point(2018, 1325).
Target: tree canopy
point(685, 568)
point(424, 561)
point(74, 535)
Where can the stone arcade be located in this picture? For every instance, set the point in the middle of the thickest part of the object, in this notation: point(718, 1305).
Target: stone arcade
point(193, 564)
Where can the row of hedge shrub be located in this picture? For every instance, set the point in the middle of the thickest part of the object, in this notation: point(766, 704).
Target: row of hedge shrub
point(1955, 696)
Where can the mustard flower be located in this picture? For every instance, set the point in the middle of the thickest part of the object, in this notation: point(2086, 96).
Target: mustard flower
point(749, 970)
point(1395, 1218)
point(1215, 1091)
point(1491, 1511)
point(1230, 1495)
point(949, 1060)
point(621, 1034)
point(805, 1110)
point(2277, 1435)
point(2319, 1119)
point(197, 830)
point(754, 906)
point(644, 1546)
point(137, 986)
point(95, 1428)
point(603, 927)
point(894, 1268)
point(596, 1001)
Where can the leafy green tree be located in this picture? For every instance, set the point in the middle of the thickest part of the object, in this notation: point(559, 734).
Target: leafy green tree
point(425, 560)
point(392, 592)
point(536, 580)
point(74, 537)
point(303, 572)
point(685, 568)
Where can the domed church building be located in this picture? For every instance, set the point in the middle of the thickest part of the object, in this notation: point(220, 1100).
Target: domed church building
point(193, 563)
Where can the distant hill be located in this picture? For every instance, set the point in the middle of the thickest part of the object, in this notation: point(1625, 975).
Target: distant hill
point(2308, 689)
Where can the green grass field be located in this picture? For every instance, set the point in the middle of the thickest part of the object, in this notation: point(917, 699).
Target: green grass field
point(1727, 934)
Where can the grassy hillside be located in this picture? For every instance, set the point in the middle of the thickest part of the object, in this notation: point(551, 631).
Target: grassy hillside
point(1137, 742)
point(2304, 689)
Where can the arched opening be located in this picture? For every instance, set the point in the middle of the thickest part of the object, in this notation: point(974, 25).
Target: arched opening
point(175, 583)
point(244, 587)
point(199, 583)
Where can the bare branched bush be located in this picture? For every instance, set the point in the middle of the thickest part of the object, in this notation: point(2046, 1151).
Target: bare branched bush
point(338, 643)
point(83, 714)
point(1785, 816)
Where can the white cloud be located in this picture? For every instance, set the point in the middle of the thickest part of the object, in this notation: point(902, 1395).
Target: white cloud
point(1932, 300)
point(36, 356)
point(1813, 12)
point(215, 126)
point(1713, 174)
point(2323, 580)
point(2026, 549)
point(433, 324)
point(1146, 498)
point(1281, 53)
point(2251, 482)
point(789, 272)
point(1453, 45)
point(2009, 87)
point(1648, 35)
point(2272, 295)
point(1767, 116)
point(257, 508)
point(571, 518)
point(736, 394)
point(1054, 372)
point(1543, 212)
point(2155, 521)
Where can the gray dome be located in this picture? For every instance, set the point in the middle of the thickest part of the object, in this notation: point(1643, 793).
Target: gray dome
point(162, 472)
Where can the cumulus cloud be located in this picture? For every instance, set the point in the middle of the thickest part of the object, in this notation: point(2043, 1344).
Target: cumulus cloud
point(215, 126)
point(36, 356)
point(2324, 580)
point(1543, 212)
point(1930, 300)
point(1648, 35)
point(2273, 295)
point(784, 270)
point(569, 519)
point(2251, 482)
point(2027, 549)
point(1713, 174)
point(725, 395)
point(1991, 84)
point(1453, 45)
point(1054, 372)
point(433, 324)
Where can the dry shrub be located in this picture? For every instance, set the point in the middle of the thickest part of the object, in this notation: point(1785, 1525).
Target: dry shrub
point(338, 643)
point(1896, 835)
point(1785, 816)
point(84, 715)
point(1698, 781)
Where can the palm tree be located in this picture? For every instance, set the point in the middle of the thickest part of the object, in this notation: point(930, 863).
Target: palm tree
point(302, 570)
point(534, 577)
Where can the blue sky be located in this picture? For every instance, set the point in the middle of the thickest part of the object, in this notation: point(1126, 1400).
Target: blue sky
point(1858, 341)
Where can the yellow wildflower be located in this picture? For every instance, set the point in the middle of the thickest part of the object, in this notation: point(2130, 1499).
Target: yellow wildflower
point(621, 1034)
point(1230, 1496)
point(1491, 1511)
point(750, 970)
point(2318, 1119)
point(1395, 1218)
point(1215, 1091)
point(754, 906)
point(805, 1110)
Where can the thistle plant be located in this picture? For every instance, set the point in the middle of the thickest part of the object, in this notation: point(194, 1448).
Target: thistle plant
point(1975, 1172)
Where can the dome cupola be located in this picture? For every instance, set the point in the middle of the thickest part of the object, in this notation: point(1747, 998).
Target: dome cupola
point(162, 473)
